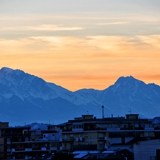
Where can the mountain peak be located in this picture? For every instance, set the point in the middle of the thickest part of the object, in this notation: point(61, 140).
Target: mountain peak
point(127, 82)
point(127, 79)
point(6, 70)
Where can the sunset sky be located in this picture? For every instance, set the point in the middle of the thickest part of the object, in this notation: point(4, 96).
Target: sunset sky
point(82, 43)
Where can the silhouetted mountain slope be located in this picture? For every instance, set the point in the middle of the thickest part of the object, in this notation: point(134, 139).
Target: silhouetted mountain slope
point(129, 93)
point(25, 98)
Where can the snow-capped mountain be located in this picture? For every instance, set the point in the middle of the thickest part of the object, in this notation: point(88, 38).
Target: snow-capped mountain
point(25, 98)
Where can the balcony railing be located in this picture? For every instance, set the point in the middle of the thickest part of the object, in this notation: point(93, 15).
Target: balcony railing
point(68, 139)
point(43, 148)
point(80, 139)
point(28, 149)
point(102, 138)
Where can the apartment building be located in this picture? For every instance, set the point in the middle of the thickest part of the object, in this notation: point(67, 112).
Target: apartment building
point(2, 141)
point(27, 143)
point(90, 133)
point(85, 133)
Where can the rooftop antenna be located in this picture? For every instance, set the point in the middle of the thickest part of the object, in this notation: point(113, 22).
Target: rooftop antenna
point(102, 111)
point(130, 110)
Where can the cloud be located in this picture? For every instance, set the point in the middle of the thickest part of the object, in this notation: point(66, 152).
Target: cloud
point(52, 28)
point(112, 23)
point(92, 61)
point(152, 40)
point(90, 46)
point(41, 28)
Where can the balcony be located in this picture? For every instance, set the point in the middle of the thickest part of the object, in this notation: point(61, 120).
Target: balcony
point(71, 139)
point(28, 149)
point(77, 129)
point(80, 139)
point(102, 138)
point(43, 148)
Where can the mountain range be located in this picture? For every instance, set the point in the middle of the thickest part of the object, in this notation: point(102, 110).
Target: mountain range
point(25, 98)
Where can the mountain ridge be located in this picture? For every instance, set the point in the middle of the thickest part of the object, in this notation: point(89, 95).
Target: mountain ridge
point(27, 98)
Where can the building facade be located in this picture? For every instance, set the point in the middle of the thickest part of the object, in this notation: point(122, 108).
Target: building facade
point(27, 143)
point(3, 140)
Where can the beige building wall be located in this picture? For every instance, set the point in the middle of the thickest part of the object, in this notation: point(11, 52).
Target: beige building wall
point(85, 138)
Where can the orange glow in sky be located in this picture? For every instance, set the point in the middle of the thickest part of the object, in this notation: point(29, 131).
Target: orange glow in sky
point(82, 44)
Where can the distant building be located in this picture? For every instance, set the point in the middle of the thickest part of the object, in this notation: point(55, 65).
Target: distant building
point(27, 143)
point(2, 141)
point(85, 137)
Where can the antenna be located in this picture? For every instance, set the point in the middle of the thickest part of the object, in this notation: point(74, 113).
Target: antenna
point(130, 110)
point(102, 111)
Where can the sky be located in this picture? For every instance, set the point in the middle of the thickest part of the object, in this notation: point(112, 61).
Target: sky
point(82, 43)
